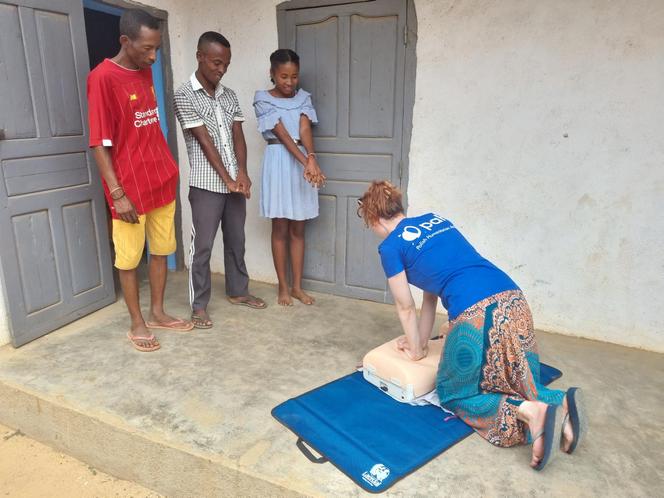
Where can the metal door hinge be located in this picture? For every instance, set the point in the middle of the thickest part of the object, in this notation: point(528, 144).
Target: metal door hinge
point(405, 34)
point(400, 170)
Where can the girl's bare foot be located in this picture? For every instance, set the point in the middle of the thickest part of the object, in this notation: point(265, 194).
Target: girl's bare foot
point(302, 296)
point(283, 298)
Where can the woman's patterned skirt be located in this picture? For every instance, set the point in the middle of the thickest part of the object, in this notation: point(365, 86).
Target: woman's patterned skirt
point(490, 365)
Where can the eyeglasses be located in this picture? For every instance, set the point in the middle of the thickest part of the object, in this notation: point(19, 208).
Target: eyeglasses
point(360, 204)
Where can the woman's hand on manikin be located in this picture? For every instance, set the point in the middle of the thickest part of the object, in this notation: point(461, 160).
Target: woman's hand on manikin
point(414, 354)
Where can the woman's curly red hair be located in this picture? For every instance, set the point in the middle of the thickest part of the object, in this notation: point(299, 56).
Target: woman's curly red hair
point(381, 200)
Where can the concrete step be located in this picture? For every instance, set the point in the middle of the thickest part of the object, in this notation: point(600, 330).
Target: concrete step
point(193, 419)
point(125, 453)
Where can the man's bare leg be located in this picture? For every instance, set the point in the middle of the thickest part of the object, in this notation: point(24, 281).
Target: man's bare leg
point(129, 284)
point(157, 272)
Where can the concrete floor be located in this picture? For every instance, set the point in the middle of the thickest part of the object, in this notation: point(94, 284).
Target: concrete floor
point(194, 418)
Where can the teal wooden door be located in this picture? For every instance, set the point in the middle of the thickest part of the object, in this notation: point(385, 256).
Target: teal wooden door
point(55, 252)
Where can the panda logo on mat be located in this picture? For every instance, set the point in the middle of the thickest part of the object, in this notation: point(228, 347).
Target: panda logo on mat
point(376, 475)
point(410, 233)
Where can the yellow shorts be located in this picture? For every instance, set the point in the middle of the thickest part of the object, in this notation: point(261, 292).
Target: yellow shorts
point(129, 238)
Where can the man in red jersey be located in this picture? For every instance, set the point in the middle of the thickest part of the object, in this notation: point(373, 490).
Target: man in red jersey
point(139, 173)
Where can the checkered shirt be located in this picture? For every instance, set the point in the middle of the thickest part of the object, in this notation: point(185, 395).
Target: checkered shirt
point(193, 108)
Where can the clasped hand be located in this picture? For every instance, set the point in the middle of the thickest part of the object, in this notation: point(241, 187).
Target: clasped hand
point(313, 173)
point(242, 185)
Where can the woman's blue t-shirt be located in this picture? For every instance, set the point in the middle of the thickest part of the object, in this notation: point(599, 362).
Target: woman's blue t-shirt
point(439, 260)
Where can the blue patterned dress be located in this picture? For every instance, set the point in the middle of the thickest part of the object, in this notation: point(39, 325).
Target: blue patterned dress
point(490, 365)
point(284, 191)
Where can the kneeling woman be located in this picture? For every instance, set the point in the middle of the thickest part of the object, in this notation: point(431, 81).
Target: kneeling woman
point(489, 374)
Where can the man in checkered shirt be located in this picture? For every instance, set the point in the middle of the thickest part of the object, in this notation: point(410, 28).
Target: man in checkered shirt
point(219, 185)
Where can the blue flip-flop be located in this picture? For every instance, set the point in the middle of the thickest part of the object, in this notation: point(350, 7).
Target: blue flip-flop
point(553, 424)
point(577, 416)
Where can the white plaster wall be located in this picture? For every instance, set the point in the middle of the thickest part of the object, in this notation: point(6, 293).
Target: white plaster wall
point(536, 129)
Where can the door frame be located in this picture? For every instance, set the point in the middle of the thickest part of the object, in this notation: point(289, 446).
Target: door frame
point(410, 70)
point(167, 73)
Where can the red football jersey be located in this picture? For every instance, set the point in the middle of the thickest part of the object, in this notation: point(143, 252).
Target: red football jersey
point(123, 115)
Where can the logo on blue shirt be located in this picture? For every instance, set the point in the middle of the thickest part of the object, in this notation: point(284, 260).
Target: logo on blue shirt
point(411, 233)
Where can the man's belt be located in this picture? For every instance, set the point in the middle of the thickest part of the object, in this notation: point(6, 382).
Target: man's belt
point(276, 141)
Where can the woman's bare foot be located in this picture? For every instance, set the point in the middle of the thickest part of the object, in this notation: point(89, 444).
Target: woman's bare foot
point(284, 298)
point(302, 296)
point(533, 413)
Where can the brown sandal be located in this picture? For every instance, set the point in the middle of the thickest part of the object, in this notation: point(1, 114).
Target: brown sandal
point(201, 322)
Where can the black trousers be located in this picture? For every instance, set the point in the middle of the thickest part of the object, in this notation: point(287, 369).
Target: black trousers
point(209, 210)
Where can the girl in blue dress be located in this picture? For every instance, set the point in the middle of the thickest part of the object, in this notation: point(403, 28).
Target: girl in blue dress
point(291, 174)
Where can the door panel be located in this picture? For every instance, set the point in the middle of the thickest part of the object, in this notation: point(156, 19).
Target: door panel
point(36, 260)
point(81, 242)
point(62, 97)
point(372, 74)
point(14, 73)
point(364, 268)
point(55, 255)
point(317, 43)
point(352, 60)
point(320, 260)
point(34, 174)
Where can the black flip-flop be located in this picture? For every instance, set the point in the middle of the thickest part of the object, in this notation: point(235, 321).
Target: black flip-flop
point(577, 415)
point(551, 433)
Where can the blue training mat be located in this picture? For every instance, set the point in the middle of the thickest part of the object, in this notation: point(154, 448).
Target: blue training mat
point(372, 438)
